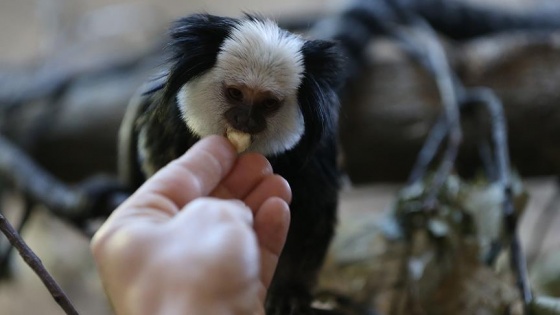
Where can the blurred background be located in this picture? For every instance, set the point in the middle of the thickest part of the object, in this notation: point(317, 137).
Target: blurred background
point(92, 54)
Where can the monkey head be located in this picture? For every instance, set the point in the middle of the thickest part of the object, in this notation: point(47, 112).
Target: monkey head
point(253, 77)
point(252, 88)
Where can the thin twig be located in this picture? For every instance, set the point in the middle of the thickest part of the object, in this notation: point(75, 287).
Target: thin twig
point(450, 101)
point(422, 41)
point(429, 150)
point(486, 156)
point(35, 263)
point(499, 137)
point(5, 257)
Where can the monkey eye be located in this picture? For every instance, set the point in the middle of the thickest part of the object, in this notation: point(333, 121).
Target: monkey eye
point(234, 94)
point(271, 104)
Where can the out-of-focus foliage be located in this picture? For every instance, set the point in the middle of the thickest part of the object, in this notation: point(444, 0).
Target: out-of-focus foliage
point(450, 259)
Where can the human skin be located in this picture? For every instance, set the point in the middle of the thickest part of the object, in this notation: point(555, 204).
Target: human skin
point(201, 236)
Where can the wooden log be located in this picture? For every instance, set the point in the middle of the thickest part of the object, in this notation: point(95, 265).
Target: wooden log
point(388, 112)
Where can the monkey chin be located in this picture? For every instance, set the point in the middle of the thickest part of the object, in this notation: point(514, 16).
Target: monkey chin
point(240, 140)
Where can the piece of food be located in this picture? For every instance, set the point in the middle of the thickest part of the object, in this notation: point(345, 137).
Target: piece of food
point(240, 140)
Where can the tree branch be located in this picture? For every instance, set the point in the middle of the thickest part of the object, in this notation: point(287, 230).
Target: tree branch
point(94, 198)
point(499, 137)
point(423, 44)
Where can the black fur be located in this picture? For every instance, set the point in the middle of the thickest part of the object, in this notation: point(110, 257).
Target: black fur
point(318, 91)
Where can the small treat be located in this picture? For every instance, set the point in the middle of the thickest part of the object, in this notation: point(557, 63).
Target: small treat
point(240, 140)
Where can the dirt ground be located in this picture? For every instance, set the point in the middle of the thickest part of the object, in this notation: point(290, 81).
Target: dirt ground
point(30, 29)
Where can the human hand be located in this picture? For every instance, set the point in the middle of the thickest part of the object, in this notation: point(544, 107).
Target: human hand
point(181, 245)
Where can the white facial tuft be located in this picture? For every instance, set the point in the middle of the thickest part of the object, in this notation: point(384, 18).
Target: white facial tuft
point(261, 56)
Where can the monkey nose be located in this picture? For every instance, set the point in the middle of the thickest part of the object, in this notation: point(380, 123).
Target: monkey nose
point(244, 122)
point(241, 118)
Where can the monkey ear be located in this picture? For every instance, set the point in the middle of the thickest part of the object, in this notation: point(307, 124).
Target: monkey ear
point(318, 93)
point(194, 46)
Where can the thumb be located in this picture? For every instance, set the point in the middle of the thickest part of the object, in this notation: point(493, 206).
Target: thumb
point(194, 174)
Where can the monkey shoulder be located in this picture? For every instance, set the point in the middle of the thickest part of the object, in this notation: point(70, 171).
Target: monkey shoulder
point(152, 135)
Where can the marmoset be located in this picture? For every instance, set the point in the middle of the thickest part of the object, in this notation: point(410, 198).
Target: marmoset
point(267, 90)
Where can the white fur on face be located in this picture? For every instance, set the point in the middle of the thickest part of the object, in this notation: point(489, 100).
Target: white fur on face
point(258, 55)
